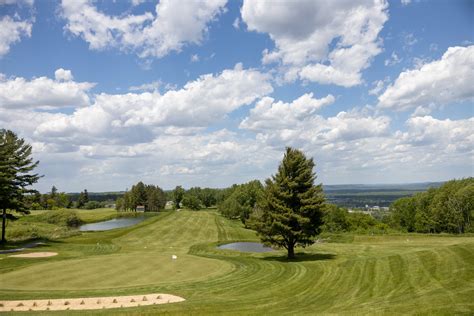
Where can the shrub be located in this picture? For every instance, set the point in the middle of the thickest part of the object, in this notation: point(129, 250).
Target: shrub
point(61, 217)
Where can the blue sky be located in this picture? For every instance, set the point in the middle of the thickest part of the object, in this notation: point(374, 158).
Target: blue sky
point(209, 93)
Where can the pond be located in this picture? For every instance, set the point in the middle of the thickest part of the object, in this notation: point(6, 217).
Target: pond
point(246, 247)
point(112, 224)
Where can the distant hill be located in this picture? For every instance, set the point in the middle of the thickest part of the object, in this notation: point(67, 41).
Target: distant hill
point(360, 195)
point(347, 195)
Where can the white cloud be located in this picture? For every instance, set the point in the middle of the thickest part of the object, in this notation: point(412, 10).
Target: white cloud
point(298, 124)
point(11, 32)
point(326, 42)
point(137, 2)
point(408, 40)
point(405, 2)
point(9, 2)
point(442, 81)
point(43, 92)
point(148, 35)
point(445, 135)
point(152, 86)
point(236, 23)
point(378, 87)
point(63, 75)
point(268, 114)
point(393, 60)
point(194, 58)
point(136, 117)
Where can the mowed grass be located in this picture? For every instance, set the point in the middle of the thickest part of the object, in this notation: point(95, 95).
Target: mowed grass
point(406, 274)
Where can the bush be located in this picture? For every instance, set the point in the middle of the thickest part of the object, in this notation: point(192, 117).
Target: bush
point(61, 217)
point(191, 202)
point(92, 205)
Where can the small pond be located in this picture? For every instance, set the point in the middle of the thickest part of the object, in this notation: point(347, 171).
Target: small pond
point(113, 223)
point(246, 247)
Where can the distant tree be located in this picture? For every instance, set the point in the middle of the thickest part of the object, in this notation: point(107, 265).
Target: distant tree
point(191, 202)
point(120, 204)
point(336, 219)
point(208, 197)
point(445, 209)
point(178, 194)
point(139, 196)
point(292, 205)
point(150, 196)
point(92, 205)
point(86, 196)
point(155, 198)
point(16, 165)
point(54, 190)
point(403, 213)
point(242, 201)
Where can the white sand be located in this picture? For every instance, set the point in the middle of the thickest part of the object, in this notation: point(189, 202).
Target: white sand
point(35, 255)
point(88, 303)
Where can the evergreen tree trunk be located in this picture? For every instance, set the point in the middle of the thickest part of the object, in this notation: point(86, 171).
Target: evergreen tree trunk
point(4, 222)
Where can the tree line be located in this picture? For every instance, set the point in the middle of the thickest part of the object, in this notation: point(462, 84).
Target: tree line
point(448, 208)
point(151, 197)
point(55, 200)
point(287, 211)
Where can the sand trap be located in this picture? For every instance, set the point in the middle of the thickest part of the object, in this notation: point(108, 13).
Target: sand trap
point(89, 303)
point(35, 255)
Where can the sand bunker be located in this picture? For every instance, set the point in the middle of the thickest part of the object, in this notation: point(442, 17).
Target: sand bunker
point(88, 303)
point(35, 255)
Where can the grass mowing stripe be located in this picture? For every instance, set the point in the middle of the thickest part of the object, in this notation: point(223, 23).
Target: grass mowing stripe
point(371, 275)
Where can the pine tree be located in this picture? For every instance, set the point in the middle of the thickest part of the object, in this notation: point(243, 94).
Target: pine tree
point(292, 206)
point(15, 177)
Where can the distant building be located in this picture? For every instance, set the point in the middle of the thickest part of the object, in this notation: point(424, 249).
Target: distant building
point(140, 208)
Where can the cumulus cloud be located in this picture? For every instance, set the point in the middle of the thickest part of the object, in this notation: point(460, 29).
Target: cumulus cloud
point(63, 75)
point(443, 81)
point(360, 143)
point(297, 123)
point(326, 42)
point(136, 117)
point(446, 135)
point(149, 35)
point(11, 32)
point(268, 114)
point(43, 92)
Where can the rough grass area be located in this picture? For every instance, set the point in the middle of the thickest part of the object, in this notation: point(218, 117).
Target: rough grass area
point(393, 275)
point(51, 225)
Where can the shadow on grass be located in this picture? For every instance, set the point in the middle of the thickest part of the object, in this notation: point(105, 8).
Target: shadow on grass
point(16, 246)
point(302, 257)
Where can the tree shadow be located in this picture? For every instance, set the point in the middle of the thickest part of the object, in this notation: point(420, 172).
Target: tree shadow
point(302, 257)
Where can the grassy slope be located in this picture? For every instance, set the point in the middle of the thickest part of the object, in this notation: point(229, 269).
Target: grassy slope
point(29, 227)
point(391, 274)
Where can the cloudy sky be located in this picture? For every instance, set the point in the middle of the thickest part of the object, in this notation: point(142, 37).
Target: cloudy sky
point(209, 93)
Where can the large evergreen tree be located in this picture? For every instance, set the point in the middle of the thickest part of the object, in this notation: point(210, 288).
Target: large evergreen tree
point(16, 165)
point(292, 206)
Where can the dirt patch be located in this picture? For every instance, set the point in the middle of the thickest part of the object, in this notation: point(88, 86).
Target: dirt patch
point(35, 255)
point(88, 303)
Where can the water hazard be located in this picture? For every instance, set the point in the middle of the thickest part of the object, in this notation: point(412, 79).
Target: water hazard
point(246, 247)
point(113, 223)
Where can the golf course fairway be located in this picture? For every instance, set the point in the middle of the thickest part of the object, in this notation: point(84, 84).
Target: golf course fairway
point(393, 274)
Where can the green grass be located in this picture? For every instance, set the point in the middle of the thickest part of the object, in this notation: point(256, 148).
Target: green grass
point(400, 274)
point(36, 226)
